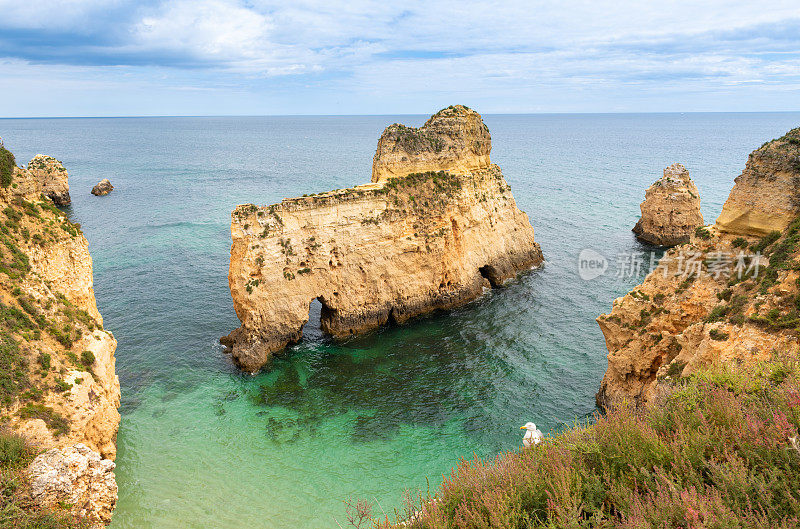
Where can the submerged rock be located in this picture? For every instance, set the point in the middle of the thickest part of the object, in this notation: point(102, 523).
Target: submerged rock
point(53, 178)
point(671, 209)
point(437, 225)
point(102, 188)
point(76, 476)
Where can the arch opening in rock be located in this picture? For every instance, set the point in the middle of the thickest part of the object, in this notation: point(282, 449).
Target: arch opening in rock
point(319, 319)
point(490, 273)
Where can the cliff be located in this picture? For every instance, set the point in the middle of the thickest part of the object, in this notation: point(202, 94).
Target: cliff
point(671, 209)
point(767, 193)
point(406, 244)
point(58, 387)
point(725, 297)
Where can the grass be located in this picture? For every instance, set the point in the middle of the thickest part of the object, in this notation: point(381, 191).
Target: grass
point(713, 453)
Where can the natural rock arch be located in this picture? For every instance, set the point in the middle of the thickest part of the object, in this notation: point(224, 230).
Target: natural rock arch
point(387, 251)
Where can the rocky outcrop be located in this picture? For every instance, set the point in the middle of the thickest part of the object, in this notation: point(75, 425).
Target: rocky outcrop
point(52, 177)
point(455, 140)
point(766, 195)
point(64, 390)
point(102, 188)
point(713, 300)
point(387, 251)
point(75, 475)
point(671, 209)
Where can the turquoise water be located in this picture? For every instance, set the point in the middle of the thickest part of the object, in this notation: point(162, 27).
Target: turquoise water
point(202, 445)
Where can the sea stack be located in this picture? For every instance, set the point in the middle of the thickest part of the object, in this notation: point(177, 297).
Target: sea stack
point(766, 195)
point(102, 188)
point(53, 178)
point(671, 209)
point(735, 305)
point(436, 226)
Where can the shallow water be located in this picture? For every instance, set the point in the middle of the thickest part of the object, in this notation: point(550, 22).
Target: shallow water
point(202, 445)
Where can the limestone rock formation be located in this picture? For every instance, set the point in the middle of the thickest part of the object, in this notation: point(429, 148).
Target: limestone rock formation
point(76, 476)
point(407, 244)
point(671, 209)
point(767, 193)
point(102, 188)
point(58, 386)
point(741, 308)
point(455, 139)
point(53, 178)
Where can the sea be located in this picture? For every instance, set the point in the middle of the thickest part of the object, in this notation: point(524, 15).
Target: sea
point(378, 416)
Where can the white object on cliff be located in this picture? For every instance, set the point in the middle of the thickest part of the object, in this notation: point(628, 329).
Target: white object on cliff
point(533, 436)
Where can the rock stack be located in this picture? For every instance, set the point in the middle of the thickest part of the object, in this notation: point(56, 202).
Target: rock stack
point(671, 209)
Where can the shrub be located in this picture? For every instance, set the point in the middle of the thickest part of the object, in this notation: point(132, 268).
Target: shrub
point(44, 361)
point(739, 242)
point(7, 165)
point(52, 419)
point(87, 358)
point(13, 369)
point(62, 386)
point(715, 452)
point(718, 335)
point(765, 242)
point(717, 313)
point(702, 232)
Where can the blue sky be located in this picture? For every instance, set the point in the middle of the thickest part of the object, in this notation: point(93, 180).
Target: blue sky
point(211, 57)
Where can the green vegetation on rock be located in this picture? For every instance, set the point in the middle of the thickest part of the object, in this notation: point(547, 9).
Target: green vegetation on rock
point(7, 165)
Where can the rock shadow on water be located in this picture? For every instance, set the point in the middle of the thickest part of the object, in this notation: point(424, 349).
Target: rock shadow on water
point(420, 383)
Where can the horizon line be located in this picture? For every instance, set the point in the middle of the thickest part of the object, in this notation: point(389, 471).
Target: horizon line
point(140, 116)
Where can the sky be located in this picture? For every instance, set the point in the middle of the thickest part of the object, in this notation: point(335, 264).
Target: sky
point(254, 57)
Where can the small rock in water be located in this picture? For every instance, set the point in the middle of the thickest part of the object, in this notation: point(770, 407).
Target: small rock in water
point(102, 188)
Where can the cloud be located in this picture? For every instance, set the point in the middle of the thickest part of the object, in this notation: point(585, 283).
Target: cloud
point(426, 47)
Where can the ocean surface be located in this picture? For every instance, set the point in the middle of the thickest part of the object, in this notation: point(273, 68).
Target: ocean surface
point(202, 445)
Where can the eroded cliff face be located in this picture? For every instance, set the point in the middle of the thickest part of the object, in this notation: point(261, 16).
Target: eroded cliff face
point(671, 209)
point(59, 386)
point(455, 140)
point(767, 193)
point(723, 297)
point(380, 252)
point(53, 178)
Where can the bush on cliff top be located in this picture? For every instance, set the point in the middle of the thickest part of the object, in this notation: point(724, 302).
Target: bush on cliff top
point(715, 452)
point(7, 164)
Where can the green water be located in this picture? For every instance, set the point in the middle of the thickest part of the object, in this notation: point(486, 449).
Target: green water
point(203, 445)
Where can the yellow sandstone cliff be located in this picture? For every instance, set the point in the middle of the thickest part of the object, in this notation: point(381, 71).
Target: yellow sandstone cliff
point(671, 209)
point(437, 226)
point(59, 388)
point(765, 196)
point(742, 307)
